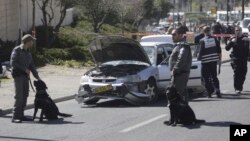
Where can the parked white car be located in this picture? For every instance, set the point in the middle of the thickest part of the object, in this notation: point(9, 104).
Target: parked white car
point(158, 53)
point(243, 24)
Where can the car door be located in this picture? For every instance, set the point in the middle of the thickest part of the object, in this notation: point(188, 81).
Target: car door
point(163, 68)
point(195, 74)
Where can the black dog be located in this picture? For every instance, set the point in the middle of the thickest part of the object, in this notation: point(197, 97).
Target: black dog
point(45, 103)
point(180, 111)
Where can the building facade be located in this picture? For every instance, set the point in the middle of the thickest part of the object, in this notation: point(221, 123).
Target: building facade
point(16, 17)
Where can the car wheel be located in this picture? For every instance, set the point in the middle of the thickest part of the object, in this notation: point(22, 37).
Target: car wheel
point(91, 101)
point(151, 91)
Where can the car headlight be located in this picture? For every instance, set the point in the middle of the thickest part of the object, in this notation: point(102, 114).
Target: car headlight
point(84, 79)
point(131, 79)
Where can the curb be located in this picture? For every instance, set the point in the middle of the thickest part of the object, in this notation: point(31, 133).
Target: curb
point(57, 100)
point(31, 106)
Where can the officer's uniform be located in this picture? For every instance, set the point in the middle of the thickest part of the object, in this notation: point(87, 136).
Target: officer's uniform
point(180, 61)
point(209, 56)
point(239, 56)
point(197, 42)
point(21, 59)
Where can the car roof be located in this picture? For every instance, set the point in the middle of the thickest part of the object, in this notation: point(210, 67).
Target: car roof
point(153, 43)
point(157, 38)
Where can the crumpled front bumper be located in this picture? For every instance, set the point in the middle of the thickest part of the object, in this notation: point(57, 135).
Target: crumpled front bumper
point(119, 91)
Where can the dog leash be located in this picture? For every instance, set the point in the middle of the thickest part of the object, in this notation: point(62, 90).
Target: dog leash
point(31, 85)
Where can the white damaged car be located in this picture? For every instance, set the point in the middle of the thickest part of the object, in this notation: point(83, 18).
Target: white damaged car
point(123, 71)
point(131, 71)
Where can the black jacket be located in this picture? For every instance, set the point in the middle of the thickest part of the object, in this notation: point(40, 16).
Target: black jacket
point(240, 48)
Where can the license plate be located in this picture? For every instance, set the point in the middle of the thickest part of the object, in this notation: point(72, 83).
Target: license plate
point(103, 89)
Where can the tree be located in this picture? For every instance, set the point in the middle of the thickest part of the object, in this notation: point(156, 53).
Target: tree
point(64, 5)
point(97, 11)
point(47, 7)
point(161, 9)
point(138, 11)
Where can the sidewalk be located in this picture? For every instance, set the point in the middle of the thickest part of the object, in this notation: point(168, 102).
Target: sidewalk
point(62, 84)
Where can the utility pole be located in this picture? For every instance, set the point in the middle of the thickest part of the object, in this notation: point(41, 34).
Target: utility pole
point(191, 2)
point(243, 10)
point(216, 7)
point(34, 21)
point(227, 12)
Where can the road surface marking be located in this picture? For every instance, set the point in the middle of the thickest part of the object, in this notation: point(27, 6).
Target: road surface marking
point(143, 123)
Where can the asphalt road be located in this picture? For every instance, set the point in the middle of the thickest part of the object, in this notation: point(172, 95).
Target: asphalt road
point(117, 120)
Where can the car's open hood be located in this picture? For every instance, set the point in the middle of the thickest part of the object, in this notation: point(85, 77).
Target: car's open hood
point(113, 48)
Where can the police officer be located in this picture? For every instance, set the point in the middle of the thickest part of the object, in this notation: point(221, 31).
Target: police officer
point(239, 55)
point(197, 39)
point(22, 64)
point(210, 54)
point(217, 28)
point(180, 63)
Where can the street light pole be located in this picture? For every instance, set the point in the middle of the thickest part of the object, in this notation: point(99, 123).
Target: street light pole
point(243, 10)
point(227, 12)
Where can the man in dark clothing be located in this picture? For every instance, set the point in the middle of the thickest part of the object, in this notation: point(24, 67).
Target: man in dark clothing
point(210, 54)
point(197, 39)
point(180, 62)
point(184, 28)
point(22, 64)
point(239, 56)
point(217, 29)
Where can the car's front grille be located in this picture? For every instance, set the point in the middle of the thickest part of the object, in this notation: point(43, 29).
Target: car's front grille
point(103, 80)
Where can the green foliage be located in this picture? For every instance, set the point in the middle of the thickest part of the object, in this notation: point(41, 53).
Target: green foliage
point(41, 32)
point(6, 48)
point(106, 28)
point(39, 59)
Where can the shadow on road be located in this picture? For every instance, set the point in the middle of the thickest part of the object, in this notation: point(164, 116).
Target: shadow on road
point(22, 138)
point(211, 124)
point(36, 121)
point(123, 104)
point(221, 123)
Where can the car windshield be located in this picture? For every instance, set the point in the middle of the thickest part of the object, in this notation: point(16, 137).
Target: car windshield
point(245, 23)
point(150, 52)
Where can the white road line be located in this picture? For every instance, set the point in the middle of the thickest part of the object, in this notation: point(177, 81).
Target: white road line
point(143, 123)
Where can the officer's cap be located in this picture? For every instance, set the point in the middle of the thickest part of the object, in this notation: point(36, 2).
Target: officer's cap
point(27, 38)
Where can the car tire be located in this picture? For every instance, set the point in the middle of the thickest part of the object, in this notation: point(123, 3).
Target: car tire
point(91, 101)
point(151, 90)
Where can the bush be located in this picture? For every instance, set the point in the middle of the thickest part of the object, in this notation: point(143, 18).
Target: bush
point(58, 55)
point(55, 53)
point(41, 35)
point(79, 53)
point(39, 60)
point(70, 37)
point(6, 48)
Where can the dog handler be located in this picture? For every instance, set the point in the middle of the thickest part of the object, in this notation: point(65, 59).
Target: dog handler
point(180, 62)
point(22, 64)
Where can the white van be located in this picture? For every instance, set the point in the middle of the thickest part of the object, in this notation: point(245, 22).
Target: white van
point(243, 24)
